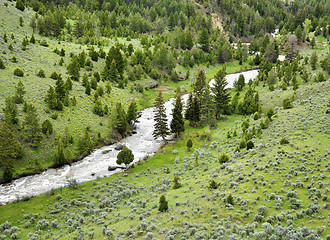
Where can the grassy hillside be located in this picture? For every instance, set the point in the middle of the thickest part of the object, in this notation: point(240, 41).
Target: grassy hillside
point(279, 188)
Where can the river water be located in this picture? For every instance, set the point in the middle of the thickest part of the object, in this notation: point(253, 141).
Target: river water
point(96, 164)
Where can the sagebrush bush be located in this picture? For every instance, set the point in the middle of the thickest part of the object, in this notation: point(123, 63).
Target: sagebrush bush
point(18, 72)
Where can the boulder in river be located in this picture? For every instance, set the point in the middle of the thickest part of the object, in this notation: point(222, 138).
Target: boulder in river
point(112, 168)
point(134, 132)
point(327, 112)
point(119, 146)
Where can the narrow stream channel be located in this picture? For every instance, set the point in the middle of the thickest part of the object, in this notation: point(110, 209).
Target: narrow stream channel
point(96, 164)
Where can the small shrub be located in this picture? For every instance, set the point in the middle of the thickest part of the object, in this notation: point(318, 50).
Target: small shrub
point(249, 145)
point(284, 141)
point(177, 183)
point(287, 103)
point(213, 184)
point(18, 72)
point(189, 144)
point(230, 199)
point(44, 43)
point(242, 144)
point(223, 158)
point(256, 116)
point(41, 74)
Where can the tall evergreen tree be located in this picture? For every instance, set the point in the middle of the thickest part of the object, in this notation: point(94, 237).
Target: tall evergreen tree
point(10, 111)
point(31, 127)
point(85, 144)
point(200, 82)
point(207, 107)
point(313, 60)
point(73, 69)
point(19, 93)
point(10, 148)
point(220, 94)
point(177, 123)
point(195, 111)
point(131, 112)
point(60, 89)
point(203, 39)
point(59, 156)
point(121, 122)
point(161, 128)
point(188, 114)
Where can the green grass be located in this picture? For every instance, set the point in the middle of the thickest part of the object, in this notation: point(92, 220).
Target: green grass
point(304, 126)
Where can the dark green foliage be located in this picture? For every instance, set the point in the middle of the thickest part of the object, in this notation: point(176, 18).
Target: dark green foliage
point(200, 82)
point(10, 150)
point(230, 199)
point(93, 83)
point(249, 145)
point(59, 156)
point(68, 84)
point(213, 184)
point(203, 39)
point(177, 123)
point(220, 94)
point(240, 83)
point(18, 72)
point(19, 93)
point(52, 100)
point(88, 88)
point(44, 43)
point(256, 116)
point(2, 65)
point(161, 128)
point(189, 144)
point(270, 112)
point(98, 108)
point(120, 120)
point(10, 111)
point(207, 107)
point(250, 103)
point(20, 5)
point(176, 182)
point(223, 158)
point(55, 75)
point(85, 144)
point(284, 141)
point(131, 112)
point(47, 127)
point(41, 74)
point(31, 127)
point(287, 103)
point(313, 42)
point(60, 89)
point(242, 144)
point(82, 59)
point(313, 60)
point(125, 156)
point(73, 69)
point(320, 77)
point(163, 204)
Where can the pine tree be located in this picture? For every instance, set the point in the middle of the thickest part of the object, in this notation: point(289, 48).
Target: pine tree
point(313, 43)
point(313, 60)
point(31, 125)
point(125, 156)
point(10, 111)
point(10, 150)
point(20, 5)
point(60, 89)
point(161, 128)
point(121, 123)
point(2, 65)
point(88, 88)
point(113, 72)
point(32, 39)
point(19, 94)
point(85, 144)
point(131, 112)
point(177, 123)
point(47, 127)
point(203, 39)
point(59, 156)
point(68, 84)
point(188, 113)
point(51, 99)
point(73, 69)
point(220, 94)
point(189, 40)
point(200, 82)
point(195, 111)
point(163, 204)
point(207, 107)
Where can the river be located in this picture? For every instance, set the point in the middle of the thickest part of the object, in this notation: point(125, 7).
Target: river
point(96, 164)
